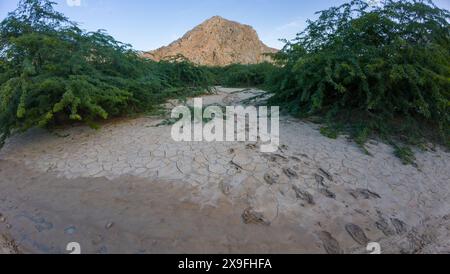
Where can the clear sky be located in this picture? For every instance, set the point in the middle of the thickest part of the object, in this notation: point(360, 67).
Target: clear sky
point(149, 24)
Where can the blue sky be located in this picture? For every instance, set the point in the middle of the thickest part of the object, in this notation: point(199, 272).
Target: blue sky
point(149, 24)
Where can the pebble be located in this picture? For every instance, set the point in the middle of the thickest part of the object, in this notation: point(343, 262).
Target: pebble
point(109, 225)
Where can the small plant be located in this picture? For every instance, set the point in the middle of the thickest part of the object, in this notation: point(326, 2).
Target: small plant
point(405, 154)
point(330, 132)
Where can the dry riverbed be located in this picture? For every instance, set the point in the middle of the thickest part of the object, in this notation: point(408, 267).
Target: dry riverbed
point(129, 188)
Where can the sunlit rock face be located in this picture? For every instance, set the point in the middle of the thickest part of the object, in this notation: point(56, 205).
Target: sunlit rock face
point(217, 42)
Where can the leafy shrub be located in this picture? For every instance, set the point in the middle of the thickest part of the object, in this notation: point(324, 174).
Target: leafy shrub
point(52, 72)
point(238, 75)
point(383, 69)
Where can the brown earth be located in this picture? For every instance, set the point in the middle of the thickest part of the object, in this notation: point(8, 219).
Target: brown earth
point(129, 215)
point(217, 42)
point(130, 188)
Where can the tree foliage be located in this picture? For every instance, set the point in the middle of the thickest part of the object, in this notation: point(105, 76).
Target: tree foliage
point(240, 75)
point(52, 72)
point(383, 69)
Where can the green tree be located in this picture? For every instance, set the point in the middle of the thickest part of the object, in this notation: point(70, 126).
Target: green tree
point(382, 69)
point(52, 72)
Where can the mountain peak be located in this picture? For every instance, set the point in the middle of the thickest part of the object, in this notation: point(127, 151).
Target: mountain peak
point(217, 42)
point(216, 18)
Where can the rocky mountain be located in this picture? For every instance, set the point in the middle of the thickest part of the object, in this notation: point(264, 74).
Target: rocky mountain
point(217, 42)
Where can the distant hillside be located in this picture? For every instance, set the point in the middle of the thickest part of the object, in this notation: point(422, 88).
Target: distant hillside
point(217, 42)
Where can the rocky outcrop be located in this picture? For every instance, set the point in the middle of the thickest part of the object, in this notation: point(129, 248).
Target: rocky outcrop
point(217, 42)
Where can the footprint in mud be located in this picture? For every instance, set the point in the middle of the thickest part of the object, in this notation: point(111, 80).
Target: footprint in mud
point(292, 174)
point(302, 155)
point(384, 227)
point(323, 188)
point(361, 193)
point(357, 234)
point(251, 217)
point(271, 178)
point(399, 225)
point(303, 195)
point(276, 158)
point(327, 193)
point(320, 180)
point(295, 159)
point(326, 174)
point(330, 244)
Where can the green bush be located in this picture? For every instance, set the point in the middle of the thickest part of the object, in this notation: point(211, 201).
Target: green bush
point(52, 72)
point(238, 75)
point(383, 70)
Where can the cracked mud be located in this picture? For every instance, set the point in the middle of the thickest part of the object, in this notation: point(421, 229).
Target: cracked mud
point(129, 188)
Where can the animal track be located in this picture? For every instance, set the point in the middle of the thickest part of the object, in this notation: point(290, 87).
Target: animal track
point(357, 234)
point(366, 194)
point(326, 174)
point(290, 173)
point(251, 217)
point(384, 227)
point(303, 195)
point(330, 244)
point(327, 193)
point(400, 226)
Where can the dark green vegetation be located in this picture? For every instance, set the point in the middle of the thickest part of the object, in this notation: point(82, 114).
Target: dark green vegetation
point(368, 71)
point(52, 72)
point(238, 75)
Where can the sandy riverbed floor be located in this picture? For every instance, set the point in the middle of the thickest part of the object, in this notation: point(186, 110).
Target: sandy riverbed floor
point(129, 188)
